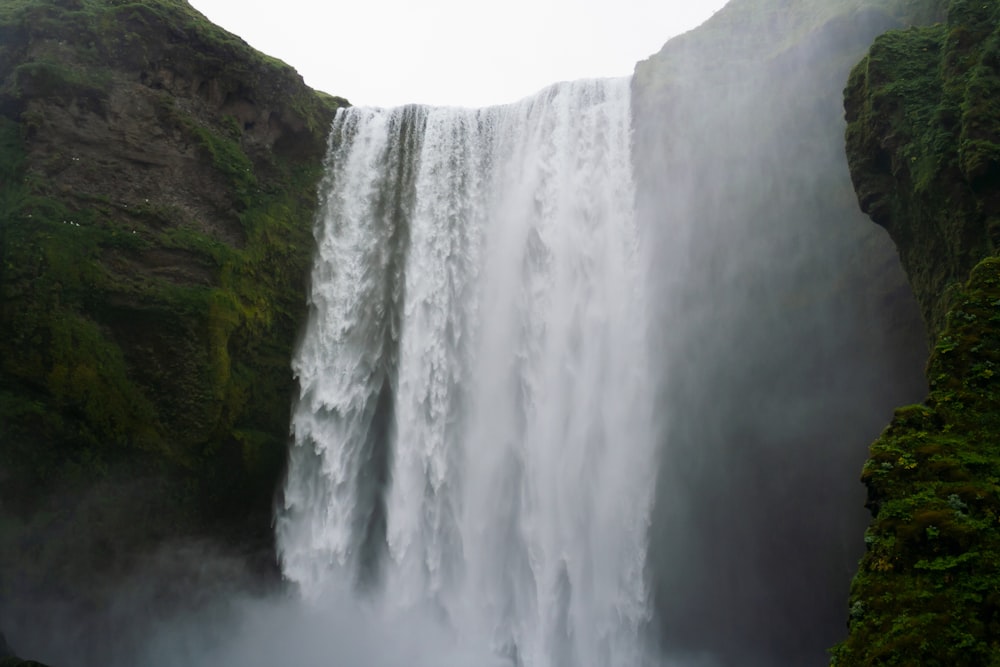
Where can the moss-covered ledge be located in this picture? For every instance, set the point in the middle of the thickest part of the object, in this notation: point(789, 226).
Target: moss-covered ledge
point(157, 186)
point(928, 588)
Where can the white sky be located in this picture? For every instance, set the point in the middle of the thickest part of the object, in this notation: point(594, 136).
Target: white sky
point(455, 52)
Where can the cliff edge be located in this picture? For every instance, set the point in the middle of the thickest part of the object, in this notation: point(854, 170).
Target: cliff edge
point(924, 149)
point(157, 186)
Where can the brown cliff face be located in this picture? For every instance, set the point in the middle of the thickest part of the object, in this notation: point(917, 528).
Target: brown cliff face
point(157, 184)
point(114, 96)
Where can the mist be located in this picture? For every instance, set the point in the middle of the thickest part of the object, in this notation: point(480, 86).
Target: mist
point(191, 604)
point(787, 335)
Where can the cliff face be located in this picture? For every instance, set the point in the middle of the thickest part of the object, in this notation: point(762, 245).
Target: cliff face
point(789, 341)
point(157, 183)
point(924, 149)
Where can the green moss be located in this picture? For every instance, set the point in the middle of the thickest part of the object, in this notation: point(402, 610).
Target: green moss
point(51, 342)
point(924, 149)
point(928, 588)
point(134, 337)
point(923, 143)
point(228, 158)
point(44, 78)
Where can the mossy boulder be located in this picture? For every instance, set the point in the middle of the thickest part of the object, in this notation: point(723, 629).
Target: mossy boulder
point(157, 185)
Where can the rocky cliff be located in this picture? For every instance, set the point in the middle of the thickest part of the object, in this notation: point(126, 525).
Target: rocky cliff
point(157, 183)
point(791, 339)
point(924, 149)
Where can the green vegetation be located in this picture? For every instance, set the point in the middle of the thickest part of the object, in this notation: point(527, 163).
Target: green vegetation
point(157, 185)
point(928, 588)
point(923, 143)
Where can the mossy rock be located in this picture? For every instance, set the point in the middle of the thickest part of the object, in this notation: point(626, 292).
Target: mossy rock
point(923, 127)
point(157, 188)
point(923, 141)
point(928, 588)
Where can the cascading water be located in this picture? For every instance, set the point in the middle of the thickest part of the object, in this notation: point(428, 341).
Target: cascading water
point(473, 437)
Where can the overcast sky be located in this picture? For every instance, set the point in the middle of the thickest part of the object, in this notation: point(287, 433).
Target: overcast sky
point(455, 52)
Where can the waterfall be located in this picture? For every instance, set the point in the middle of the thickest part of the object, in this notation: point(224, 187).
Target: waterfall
point(472, 437)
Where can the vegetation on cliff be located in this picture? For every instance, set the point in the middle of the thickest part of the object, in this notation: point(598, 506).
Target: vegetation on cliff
point(924, 150)
point(923, 142)
point(157, 186)
point(928, 588)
